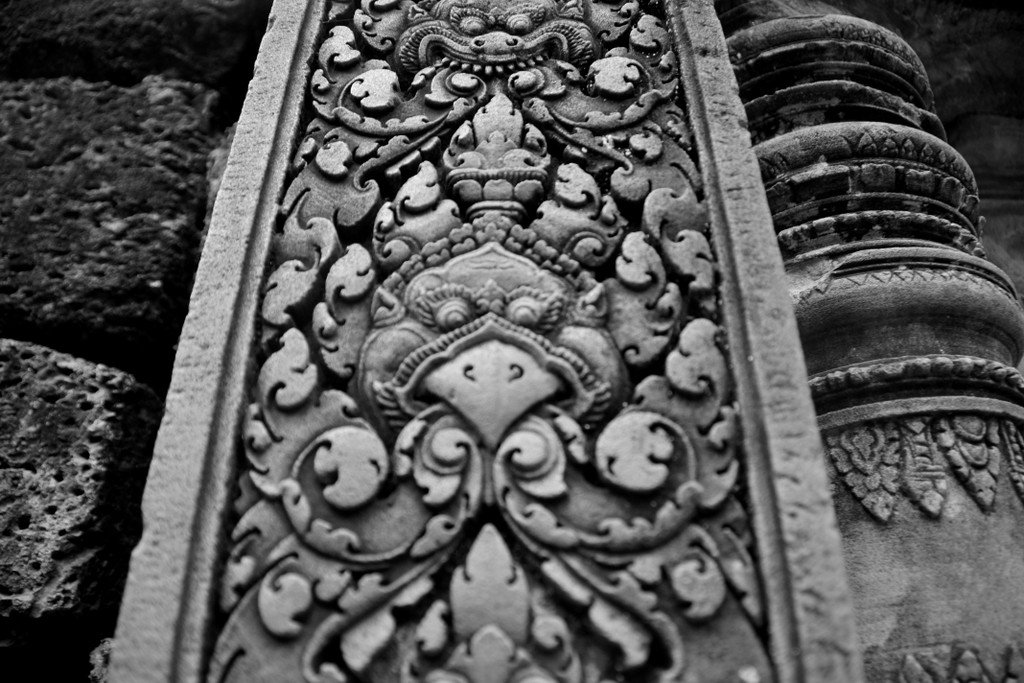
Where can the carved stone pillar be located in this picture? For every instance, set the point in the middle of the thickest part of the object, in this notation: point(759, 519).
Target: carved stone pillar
point(911, 336)
point(491, 349)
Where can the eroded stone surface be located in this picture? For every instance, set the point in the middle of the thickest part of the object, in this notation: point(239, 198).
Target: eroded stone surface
point(208, 41)
point(102, 196)
point(75, 440)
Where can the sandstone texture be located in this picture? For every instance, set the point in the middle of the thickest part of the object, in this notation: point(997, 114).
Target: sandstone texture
point(121, 41)
point(75, 442)
point(102, 196)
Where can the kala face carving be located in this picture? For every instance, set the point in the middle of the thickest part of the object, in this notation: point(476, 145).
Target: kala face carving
point(492, 436)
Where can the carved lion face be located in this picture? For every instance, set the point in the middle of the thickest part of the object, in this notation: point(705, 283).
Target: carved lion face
point(495, 34)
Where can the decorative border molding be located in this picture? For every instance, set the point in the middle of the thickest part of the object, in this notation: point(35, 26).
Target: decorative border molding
point(163, 626)
point(810, 613)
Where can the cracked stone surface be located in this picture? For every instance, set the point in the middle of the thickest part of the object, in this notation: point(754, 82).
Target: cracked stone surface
point(75, 443)
point(102, 198)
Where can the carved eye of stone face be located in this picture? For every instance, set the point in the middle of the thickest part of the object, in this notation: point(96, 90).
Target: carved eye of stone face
point(525, 311)
point(468, 20)
point(519, 24)
point(453, 313)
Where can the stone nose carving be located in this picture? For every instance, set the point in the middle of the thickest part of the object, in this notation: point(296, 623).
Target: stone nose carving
point(492, 385)
point(496, 44)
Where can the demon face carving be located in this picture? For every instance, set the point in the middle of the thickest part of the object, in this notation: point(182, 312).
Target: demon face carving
point(495, 37)
point(493, 394)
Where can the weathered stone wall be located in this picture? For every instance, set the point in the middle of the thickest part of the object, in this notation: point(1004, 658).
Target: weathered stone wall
point(113, 123)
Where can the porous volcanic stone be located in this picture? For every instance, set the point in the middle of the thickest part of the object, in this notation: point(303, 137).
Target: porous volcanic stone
point(207, 41)
point(75, 443)
point(102, 198)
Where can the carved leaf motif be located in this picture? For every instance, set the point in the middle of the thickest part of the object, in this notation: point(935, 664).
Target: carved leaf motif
point(288, 379)
point(432, 632)
point(616, 77)
point(360, 645)
point(696, 369)
point(535, 454)
point(376, 90)
point(971, 445)
point(649, 35)
point(913, 672)
point(924, 475)
point(868, 456)
point(620, 628)
point(674, 219)
point(490, 589)
point(440, 459)
point(579, 219)
point(303, 252)
point(969, 669)
point(351, 463)
point(614, 624)
point(659, 166)
point(643, 306)
point(699, 584)
point(327, 188)
point(284, 600)
point(418, 216)
point(379, 23)
point(341, 323)
point(1014, 450)
point(635, 449)
point(365, 640)
point(613, 18)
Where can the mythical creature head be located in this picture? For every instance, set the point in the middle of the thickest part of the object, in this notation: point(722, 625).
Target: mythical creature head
point(493, 335)
point(494, 35)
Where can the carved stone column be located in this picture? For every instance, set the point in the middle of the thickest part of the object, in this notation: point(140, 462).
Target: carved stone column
point(911, 336)
point(491, 348)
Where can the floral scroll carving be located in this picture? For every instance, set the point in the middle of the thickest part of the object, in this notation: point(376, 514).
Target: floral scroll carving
point(493, 435)
point(918, 456)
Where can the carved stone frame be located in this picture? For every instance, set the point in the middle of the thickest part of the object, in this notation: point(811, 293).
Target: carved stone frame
point(167, 615)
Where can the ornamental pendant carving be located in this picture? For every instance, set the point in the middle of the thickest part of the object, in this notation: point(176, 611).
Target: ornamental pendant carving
point(493, 435)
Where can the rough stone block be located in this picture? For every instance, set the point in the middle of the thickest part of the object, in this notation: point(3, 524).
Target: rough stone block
point(102, 198)
point(75, 443)
point(208, 41)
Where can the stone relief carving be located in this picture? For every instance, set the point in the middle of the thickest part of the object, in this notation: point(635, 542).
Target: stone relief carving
point(493, 434)
point(915, 455)
point(919, 453)
point(961, 665)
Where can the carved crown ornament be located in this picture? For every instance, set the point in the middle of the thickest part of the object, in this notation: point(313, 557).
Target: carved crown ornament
point(493, 435)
